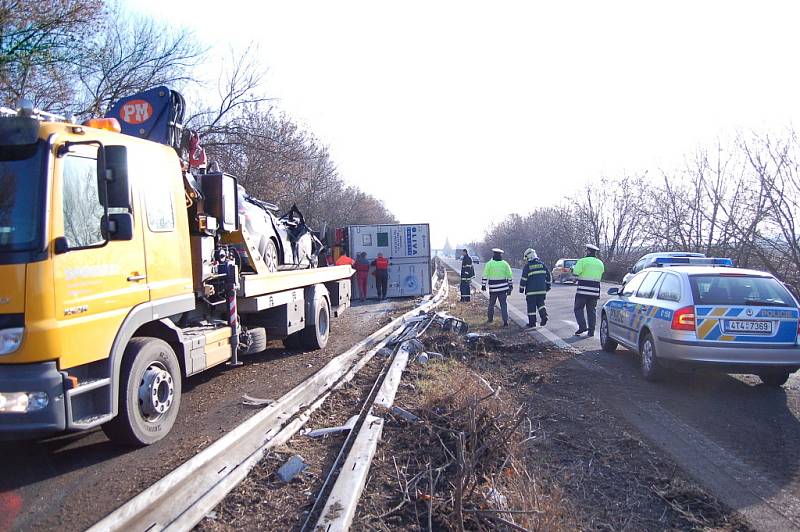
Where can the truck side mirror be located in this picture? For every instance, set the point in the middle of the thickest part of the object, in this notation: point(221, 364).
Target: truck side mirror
point(118, 226)
point(112, 177)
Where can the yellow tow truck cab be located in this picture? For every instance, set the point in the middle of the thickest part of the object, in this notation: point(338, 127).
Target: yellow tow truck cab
point(124, 270)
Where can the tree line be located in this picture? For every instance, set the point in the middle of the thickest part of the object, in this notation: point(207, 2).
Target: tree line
point(77, 57)
point(737, 199)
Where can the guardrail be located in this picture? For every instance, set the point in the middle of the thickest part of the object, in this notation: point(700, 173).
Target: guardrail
point(183, 497)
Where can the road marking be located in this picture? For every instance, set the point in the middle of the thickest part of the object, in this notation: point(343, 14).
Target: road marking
point(570, 322)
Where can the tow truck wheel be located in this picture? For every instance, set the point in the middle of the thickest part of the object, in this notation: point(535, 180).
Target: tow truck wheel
point(149, 393)
point(315, 336)
point(258, 340)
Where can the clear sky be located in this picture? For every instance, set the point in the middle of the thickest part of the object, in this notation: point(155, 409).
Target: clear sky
point(458, 113)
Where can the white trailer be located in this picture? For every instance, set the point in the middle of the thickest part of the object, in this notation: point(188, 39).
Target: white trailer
point(408, 248)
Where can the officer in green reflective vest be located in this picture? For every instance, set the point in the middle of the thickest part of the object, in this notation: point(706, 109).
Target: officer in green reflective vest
point(497, 274)
point(589, 270)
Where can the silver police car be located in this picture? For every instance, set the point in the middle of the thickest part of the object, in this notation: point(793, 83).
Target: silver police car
point(705, 312)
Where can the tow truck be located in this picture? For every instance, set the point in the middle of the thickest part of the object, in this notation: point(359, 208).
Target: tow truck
point(125, 268)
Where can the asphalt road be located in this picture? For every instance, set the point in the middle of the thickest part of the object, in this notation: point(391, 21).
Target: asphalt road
point(736, 437)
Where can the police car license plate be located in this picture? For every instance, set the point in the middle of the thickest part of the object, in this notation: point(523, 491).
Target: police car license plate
point(748, 326)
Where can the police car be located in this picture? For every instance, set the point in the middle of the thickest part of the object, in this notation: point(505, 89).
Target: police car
point(703, 311)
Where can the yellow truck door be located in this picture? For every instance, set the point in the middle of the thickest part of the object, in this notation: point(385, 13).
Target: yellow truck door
point(97, 282)
point(166, 229)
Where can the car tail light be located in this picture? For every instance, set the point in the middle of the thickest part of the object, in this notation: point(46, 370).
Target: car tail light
point(683, 319)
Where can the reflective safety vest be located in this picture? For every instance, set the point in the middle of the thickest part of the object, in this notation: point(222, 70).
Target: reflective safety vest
point(467, 269)
point(362, 267)
point(589, 271)
point(498, 275)
point(381, 263)
point(535, 278)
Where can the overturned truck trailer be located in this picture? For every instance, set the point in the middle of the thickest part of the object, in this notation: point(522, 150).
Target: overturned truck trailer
point(408, 248)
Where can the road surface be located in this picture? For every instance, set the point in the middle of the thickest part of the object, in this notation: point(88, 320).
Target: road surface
point(736, 437)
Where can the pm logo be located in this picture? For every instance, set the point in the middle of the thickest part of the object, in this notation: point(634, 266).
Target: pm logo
point(749, 312)
point(136, 112)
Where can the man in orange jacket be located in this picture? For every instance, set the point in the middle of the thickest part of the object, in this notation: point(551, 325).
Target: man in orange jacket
point(344, 260)
point(381, 274)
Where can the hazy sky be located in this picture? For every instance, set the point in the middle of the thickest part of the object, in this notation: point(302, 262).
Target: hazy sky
point(458, 113)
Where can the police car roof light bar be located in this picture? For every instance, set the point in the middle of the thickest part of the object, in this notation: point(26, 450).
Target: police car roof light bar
point(692, 261)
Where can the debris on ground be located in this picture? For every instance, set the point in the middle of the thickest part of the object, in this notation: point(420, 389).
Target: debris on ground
point(317, 433)
point(403, 413)
point(248, 400)
point(293, 467)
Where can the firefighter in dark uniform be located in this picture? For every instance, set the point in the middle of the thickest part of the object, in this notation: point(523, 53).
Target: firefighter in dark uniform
point(467, 274)
point(535, 283)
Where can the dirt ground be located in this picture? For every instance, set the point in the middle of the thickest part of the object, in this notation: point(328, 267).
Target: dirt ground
point(72, 481)
point(584, 469)
point(533, 442)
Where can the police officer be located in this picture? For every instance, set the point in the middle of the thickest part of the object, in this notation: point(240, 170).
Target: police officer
point(589, 271)
point(535, 283)
point(467, 274)
point(497, 273)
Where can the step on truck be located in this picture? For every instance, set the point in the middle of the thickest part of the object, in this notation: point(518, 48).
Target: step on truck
point(126, 267)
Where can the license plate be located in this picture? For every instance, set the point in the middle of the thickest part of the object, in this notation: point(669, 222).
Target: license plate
point(748, 326)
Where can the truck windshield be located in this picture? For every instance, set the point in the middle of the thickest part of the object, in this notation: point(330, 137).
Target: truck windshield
point(21, 197)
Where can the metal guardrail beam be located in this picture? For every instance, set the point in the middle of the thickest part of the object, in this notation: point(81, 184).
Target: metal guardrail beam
point(183, 497)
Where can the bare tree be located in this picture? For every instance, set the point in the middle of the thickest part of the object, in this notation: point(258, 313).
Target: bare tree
point(41, 42)
point(134, 54)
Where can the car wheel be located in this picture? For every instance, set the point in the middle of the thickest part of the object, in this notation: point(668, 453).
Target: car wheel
point(608, 345)
point(271, 256)
point(774, 378)
point(149, 393)
point(651, 369)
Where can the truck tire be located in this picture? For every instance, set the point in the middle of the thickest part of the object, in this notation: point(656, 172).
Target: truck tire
point(258, 340)
point(149, 393)
point(315, 335)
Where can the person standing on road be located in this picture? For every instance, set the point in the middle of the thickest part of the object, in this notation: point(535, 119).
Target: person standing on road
point(589, 270)
point(381, 274)
point(467, 274)
point(362, 274)
point(497, 273)
point(535, 283)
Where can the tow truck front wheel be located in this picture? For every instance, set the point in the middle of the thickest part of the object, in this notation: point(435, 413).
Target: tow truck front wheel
point(149, 393)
